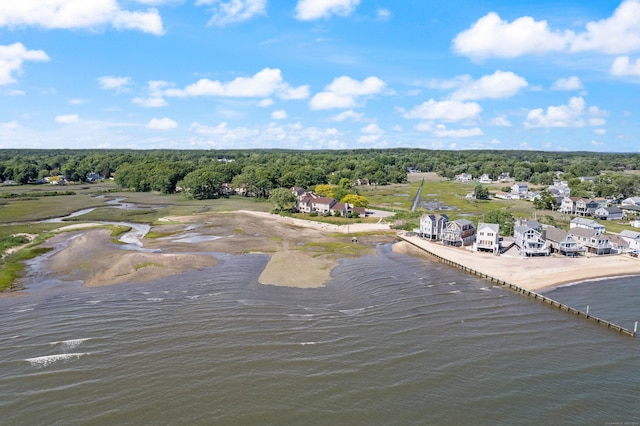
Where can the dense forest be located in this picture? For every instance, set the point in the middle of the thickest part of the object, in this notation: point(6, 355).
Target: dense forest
point(201, 173)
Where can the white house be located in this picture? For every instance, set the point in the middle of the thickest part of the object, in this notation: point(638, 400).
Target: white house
point(635, 223)
point(592, 241)
point(528, 237)
point(464, 177)
point(487, 238)
point(485, 179)
point(631, 237)
point(631, 201)
point(519, 190)
point(580, 222)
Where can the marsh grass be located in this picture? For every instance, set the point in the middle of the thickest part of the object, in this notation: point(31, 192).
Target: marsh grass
point(146, 265)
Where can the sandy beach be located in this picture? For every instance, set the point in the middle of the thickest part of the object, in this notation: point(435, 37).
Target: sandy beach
point(532, 273)
point(301, 251)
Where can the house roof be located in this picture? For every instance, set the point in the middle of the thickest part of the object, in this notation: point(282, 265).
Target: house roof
point(611, 210)
point(618, 240)
point(463, 222)
point(634, 235)
point(586, 222)
point(584, 232)
point(555, 234)
point(493, 226)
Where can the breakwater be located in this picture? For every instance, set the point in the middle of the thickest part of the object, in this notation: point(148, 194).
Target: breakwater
point(528, 293)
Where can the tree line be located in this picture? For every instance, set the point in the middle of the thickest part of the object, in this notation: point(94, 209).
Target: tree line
point(202, 173)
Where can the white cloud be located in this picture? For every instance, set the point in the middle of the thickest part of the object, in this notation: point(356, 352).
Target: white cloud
point(263, 84)
point(67, 119)
point(119, 84)
point(234, 11)
point(445, 111)
point(617, 34)
point(623, 67)
point(443, 132)
point(371, 133)
point(344, 91)
point(372, 129)
point(491, 36)
point(501, 121)
point(265, 103)
point(12, 58)
point(162, 124)
point(279, 114)
point(498, 85)
point(76, 14)
point(574, 114)
point(383, 14)
point(308, 10)
point(348, 115)
point(15, 92)
point(600, 132)
point(153, 102)
point(570, 83)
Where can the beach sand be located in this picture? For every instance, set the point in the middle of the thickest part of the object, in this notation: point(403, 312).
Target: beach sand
point(184, 243)
point(530, 273)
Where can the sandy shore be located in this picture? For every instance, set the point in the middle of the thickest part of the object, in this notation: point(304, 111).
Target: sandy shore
point(533, 273)
point(184, 243)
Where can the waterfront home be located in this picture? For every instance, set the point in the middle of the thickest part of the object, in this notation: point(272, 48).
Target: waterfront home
point(632, 238)
point(432, 226)
point(459, 233)
point(580, 222)
point(592, 241)
point(608, 213)
point(312, 203)
point(487, 238)
point(346, 209)
point(578, 206)
point(505, 177)
point(528, 238)
point(618, 244)
point(560, 241)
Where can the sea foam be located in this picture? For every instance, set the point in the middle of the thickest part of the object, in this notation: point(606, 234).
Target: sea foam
point(43, 361)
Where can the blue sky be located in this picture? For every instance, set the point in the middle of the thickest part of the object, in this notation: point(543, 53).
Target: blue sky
point(320, 74)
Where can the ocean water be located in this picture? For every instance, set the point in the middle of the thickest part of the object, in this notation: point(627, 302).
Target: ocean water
point(392, 339)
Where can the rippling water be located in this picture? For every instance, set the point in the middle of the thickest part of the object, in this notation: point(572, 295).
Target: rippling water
point(391, 340)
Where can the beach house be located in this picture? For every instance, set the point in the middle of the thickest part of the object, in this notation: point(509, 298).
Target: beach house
point(592, 241)
point(459, 233)
point(527, 235)
point(580, 222)
point(632, 238)
point(519, 191)
point(560, 241)
point(432, 226)
point(631, 201)
point(487, 238)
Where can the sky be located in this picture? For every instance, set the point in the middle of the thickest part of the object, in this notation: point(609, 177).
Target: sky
point(320, 74)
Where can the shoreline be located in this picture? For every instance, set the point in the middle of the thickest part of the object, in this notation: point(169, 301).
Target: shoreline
point(530, 273)
point(299, 253)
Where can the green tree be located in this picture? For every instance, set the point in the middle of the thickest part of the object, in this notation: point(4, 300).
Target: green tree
point(324, 190)
point(504, 218)
point(282, 199)
point(481, 192)
point(203, 183)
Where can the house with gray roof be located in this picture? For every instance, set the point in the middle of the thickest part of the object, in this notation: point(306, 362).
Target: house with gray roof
point(560, 241)
point(608, 213)
point(459, 233)
point(487, 238)
point(432, 226)
point(580, 222)
point(592, 241)
point(527, 235)
point(631, 237)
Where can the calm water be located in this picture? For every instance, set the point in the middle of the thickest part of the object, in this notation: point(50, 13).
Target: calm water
point(391, 340)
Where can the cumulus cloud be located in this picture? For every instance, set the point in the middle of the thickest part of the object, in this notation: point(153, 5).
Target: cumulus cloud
point(574, 114)
point(498, 85)
point(162, 124)
point(348, 115)
point(383, 14)
point(265, 103)
point(263, 84)
point(371, 133)
point(617, 34)
point(450, 111)
point(77, 14)
point(491, 36)
point(119, 84)
point(12, 57)
point(67, 119)
point(344, 92)
point(623, 67)
point(309, 10)
point(570, 83)
point(234, 11)
point(501, 121)
point(155, 98)
point(279, 114)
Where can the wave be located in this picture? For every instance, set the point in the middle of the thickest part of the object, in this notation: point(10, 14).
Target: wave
point(43, 361)
point(70, 344)
point(592, 280)
point(351, 312)
point(155, 299)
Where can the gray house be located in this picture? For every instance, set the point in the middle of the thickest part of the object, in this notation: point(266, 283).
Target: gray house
point(592, 241)
point(432, 226)
point(560, 241)
point(459, 233)
point(608, 213)
point(527, 235)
